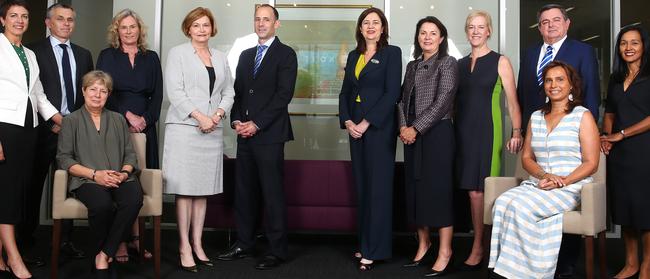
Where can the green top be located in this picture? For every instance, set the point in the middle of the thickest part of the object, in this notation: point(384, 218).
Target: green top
point(23, 58)
point(80, 142)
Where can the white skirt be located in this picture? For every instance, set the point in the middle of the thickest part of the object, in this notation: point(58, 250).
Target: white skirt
point(192, 161)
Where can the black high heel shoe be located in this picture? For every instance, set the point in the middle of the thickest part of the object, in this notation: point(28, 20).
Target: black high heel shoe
point(8, 272)
point(418, 262)
point(192, 269)
point(202, 262)
point(445, 271)
point(471, 267)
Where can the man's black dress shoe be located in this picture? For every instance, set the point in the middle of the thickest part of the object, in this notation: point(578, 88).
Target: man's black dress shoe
point(33, 261)
point(269, 262)
point(71, 252)
point(234, 253)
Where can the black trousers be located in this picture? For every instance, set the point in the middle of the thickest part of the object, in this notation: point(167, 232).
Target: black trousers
point(43, 163)
point(260, 172)
point(111, 212)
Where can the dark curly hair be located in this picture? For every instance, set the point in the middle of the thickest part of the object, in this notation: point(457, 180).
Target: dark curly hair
point(574, 80)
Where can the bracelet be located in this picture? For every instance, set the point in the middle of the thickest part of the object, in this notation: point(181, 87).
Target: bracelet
point(541, 174)
point(517, 130)
point(94, 172)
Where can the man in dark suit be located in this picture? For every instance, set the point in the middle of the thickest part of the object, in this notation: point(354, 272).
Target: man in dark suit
point(264, 85)
point(61, 81)
point(553, 26)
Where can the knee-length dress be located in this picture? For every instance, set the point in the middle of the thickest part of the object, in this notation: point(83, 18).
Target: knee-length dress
point(527, 221)
point(478, 121)
point(628, 181)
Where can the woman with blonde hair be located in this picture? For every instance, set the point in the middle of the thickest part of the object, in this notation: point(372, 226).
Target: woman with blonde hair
point(137, 91)
point(484, 75)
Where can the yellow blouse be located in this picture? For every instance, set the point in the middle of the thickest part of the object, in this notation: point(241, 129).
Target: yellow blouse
point(361, 63)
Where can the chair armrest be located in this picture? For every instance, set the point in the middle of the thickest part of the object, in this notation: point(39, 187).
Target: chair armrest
point(151, 181)
point(593, 208)
point(494, 187)
point(59, 192)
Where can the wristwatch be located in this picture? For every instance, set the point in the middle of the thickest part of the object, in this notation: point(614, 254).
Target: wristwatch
point(622, 132)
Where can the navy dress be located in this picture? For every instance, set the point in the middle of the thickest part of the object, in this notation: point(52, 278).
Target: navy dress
point(478, 121)
point(628, 181)
point(137, 89)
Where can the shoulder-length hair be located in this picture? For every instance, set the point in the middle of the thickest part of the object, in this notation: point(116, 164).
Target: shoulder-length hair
point(574, 80)
point(383, 38)
point(479, 13)
point(193, 16)
point(443, 49)
point(621, 71)
point(113, 35)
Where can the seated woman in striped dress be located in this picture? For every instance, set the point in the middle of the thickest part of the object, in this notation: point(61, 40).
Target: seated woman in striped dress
point(561, 152)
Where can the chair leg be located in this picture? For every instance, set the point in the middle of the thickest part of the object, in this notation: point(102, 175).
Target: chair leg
point(156, 245)
point(602, 256)
point(142, 232)
point(589, 257)
point(56, 244)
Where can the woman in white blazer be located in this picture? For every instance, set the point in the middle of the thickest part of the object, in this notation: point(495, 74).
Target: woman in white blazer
point(200, 91)
point(21, 98)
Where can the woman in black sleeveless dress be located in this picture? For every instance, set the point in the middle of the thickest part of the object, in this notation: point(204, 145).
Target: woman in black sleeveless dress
point(484, 74)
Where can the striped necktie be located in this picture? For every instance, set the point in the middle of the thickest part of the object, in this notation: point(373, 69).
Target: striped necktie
point(548, 56)
point(258, 59)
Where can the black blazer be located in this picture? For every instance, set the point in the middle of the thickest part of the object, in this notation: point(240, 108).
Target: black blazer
point(378, 86)
point(50, 72)
point(575, 53)
point(265, 98)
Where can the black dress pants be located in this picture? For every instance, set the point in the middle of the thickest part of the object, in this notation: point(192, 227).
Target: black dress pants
point(43, 163)
point(111, 212)
point(260, 171)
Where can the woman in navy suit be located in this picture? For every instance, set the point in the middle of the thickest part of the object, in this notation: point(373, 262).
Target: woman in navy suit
point(371, 88)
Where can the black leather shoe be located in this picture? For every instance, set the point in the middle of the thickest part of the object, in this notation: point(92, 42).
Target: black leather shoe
point(71, 252)
point(269, 262)
point(439, 273)
point(413, 264)
point(202, 262)
point(469, 267)
point(33, 261)
point(234, 253)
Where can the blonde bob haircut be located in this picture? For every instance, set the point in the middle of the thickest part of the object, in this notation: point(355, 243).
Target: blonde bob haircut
point(94, 76)
point(113, 36)
point(484, 14)
point(194, 15)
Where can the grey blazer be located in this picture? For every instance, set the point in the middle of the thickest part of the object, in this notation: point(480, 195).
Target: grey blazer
point(435, 82)
point(187, 85)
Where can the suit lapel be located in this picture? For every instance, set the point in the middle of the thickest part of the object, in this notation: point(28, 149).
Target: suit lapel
point(563, 51)
point(373, 64)
point(354, 57)
point(53, 68)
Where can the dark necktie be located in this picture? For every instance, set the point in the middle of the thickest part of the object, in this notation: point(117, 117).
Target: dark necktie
point(258, 59)
point(67, 78)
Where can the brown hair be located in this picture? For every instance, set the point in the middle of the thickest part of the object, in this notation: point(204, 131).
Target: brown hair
point(113, 36)
point(193, 16)
point(383, 39)
point(574, 79)
point(94, 76)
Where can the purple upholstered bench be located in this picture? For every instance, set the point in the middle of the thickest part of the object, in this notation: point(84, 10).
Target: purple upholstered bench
point(320, 197)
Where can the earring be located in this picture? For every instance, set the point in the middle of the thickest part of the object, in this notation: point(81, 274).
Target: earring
point(547, 99)
point(570, 97)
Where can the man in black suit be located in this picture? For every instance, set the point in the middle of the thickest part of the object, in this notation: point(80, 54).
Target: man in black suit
point(61, 81)
point(264, 85)
point(554, 24)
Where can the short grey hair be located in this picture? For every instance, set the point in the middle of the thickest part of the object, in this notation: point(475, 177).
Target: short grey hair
point(48, 14)
point(552, 6)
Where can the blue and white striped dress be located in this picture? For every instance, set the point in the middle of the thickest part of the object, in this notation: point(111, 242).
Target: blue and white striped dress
point(527, 221)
